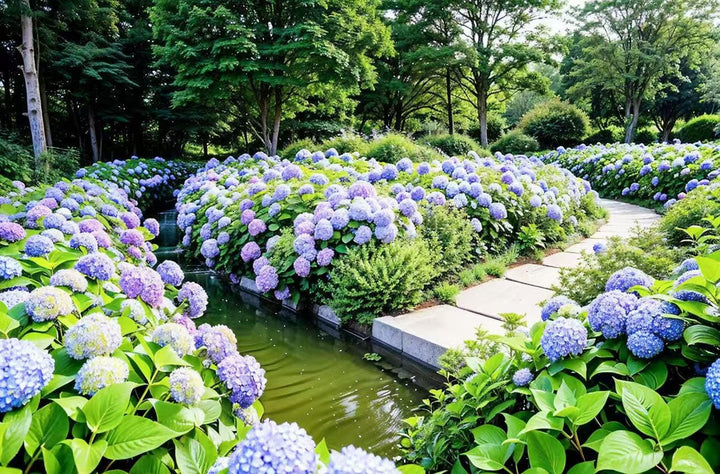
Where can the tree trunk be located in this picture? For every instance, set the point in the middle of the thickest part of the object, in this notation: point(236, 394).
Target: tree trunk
point(8, 99)
point(632, 124)
point(32, 87)
point(448, 91)
point(205, 147)
point(482, 117)
point(276, 120)
point(46, 113)
point(667, 130)
point(93, 134)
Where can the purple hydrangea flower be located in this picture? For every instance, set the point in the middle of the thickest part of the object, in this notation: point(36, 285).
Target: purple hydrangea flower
point(250, 252)
point(244, 377)
point(256, 227)
point(196, 298)
point(153, 226)
point(363, 234)
point(186, 386)
point(209, 248)
point(96, 265)
point(325, 256)
point(88, 241)
point(267, 279)
point(171, 273)
point(258, 453)
point(219, 341)
point(11, 232)
point(132, 237)
point(302, 267)
point(38, 246)
point(522, 377)
point(498, 211)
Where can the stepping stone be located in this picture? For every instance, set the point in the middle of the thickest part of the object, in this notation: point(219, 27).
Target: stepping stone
point(504, 296)
point(536, 275)
point(585, 246)
point(602, 234)
point(427, 333)
point(565, 259)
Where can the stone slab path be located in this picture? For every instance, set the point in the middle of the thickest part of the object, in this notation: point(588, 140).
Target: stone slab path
point(425, 334)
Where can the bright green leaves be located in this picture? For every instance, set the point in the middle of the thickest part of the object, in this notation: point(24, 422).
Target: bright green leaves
point(645, 408)
point(490, 452)
point(49, 426)
point(136, 435)
point(545, 452)
point(105, 410)
point(688, 460)
point(627, 452)
point(689, 413)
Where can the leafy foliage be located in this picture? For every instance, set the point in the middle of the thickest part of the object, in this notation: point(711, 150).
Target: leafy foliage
point(452, 145)
point(700, 129)
point(391, 147)
point(381, 279)
point(515, 142)
point(554, 123)
point(450, 235)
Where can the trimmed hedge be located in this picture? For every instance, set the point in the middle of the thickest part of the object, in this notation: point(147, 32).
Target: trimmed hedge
point(700, 129)
point(555, 123)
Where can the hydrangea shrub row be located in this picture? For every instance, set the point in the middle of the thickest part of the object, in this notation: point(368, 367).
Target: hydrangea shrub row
point(283, 223)
point(660, 174)
point(103, 366)
point(151, 182)
point(629, 383)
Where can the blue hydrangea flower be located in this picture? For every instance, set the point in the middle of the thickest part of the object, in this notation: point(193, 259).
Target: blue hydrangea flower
point(712, 383)
point(250, 252)
point(498, 211)
point(186, 386)
point(132, 237)
point(209, 248)
point(12, 298)
point(554, 212)
point(352, 460)
point(96, 265)
point(100, 372)
point(325, 256)
point(267, 279)
point(301, 267)
point(93, 335)
point(9, 268)
point(175, 336)
point(219, 341)
point(88, 241)
point(363, 234)
point(599, 248)
point(38, 246)
point(171, 273)
point(24, 371)
point(609, 311)
point(324, 230)
point(222, 462)
point(196, 298)
point(628, 277)
point(644, 344)
point(244, 377)
point(47, 303)
point(554, 304)
point(522, 377)
point(270, 448)
point(563, 337)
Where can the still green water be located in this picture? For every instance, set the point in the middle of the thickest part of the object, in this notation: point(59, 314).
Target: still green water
point(317, 380)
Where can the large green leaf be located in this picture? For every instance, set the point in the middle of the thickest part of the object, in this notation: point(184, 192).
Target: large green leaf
point(545, 452)
point(688, 460)
point(50, 425)
point(15, 427)
point(645, 408)
point(86, 456)
point(178, 418)
point(489, 453)
point(136, 435)
point(149, 464)
point(590, 405)
point(106, 408)
point(690, 412)
point(628, 453)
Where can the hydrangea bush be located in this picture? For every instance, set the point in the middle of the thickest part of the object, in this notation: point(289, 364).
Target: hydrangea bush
point(103, 367)
point(629, 383)
point(151, 182)
point(283, 223)
point(659, 174)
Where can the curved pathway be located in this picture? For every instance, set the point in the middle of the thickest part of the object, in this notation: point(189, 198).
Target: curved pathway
point(424, 335)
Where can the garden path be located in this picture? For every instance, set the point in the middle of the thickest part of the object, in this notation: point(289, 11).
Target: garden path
point(427, 333)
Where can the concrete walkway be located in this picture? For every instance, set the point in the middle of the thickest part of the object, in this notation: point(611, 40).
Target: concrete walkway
point(426, 334)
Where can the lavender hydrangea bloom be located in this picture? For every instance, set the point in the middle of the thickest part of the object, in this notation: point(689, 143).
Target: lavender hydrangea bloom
point(340, 219)
point(352, 460)
point(302, 267)
point(498, 211)
point(219, 341)
point(256, 227)
point(100, 372)
point(70, 278)
point(132, 237)
point(94, 335)
point(196, 298)
point(171, 273)
point(11, 232)
point(324, 230)
point(563, 337)
point(96, 265)
point(522, 377)
point(176, 336)
point(325, 256)
point(250, 252)
point(153, 226)
point(9, 268)
point(143, 282)
point(626, 278)
point(267, 279)
point(609, 311)
point(244, 377)
point(24, 371)
point(38, 246)
point(258, 453)
point(209, 248)
point(47, 303)
point(186, 386)
point(363, 234)
point(554, 212)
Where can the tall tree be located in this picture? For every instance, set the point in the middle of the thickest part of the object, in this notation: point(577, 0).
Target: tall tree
point(32, 83)
point(270, 56)
point(636, 47)
point(500, 43)
point(680, 99)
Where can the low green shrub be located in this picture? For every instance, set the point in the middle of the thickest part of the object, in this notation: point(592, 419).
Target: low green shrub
point(645, 136)
point(555, 123)
point(452, 145)
point(450, 235)
point(647, 250)
point(372, 280)
point(515, 142)
point(446, 292)
point(495, 266)
point(291, 150)
point(348, 142)
point(16, 160)
point(496, 126)
point(392, 147)
point(604, 136)
point(700, 129)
